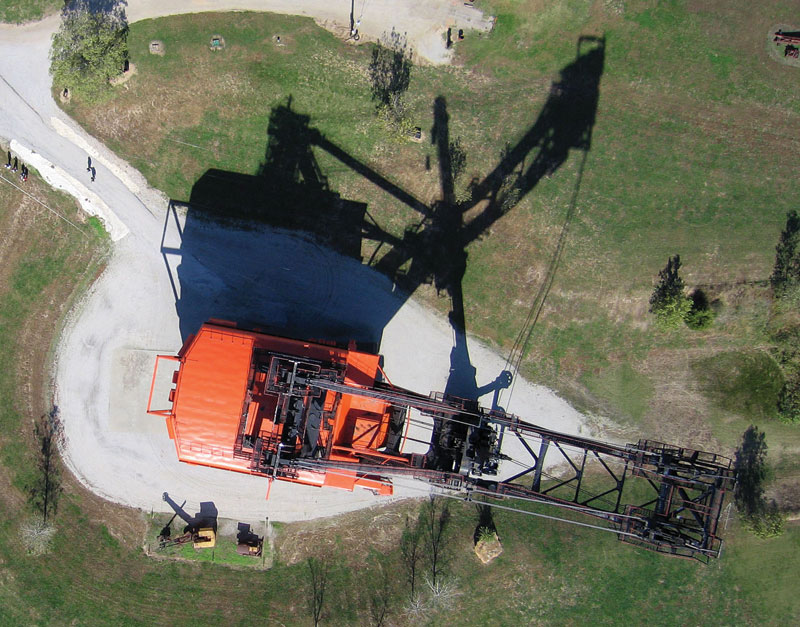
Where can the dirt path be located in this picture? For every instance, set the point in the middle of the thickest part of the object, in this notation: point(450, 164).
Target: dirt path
point(160, 263)
point(424, 23)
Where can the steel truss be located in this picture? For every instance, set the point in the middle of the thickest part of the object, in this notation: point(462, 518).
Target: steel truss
point(677, 499)
point(674, 506)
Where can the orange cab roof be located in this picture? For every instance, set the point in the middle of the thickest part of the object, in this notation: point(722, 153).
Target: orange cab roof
point(212, 385)
point(213, 381)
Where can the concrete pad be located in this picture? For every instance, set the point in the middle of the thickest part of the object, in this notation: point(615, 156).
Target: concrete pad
point(131, 372)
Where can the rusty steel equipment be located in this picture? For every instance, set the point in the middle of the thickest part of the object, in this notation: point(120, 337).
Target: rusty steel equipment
point(786, 38)
point(326, 415)
point(200, 538)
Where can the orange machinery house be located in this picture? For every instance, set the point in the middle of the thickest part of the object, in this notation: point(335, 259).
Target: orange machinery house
point(246, 401)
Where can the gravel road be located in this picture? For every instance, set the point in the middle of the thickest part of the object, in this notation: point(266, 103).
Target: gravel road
point(169, 272)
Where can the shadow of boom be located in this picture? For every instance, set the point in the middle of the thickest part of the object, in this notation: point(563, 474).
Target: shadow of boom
point(236, 197)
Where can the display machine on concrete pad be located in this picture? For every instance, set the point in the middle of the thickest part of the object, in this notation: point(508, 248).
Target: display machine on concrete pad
point(326, 415)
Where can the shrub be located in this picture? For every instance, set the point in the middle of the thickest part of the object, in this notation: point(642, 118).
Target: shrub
point(668, 302)
point(698, 320)
point(789, 401)
point(768, 523)
point(700, 316)
point(485, 534)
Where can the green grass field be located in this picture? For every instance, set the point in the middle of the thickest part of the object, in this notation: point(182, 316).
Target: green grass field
point(688, 155)
point(19, 11)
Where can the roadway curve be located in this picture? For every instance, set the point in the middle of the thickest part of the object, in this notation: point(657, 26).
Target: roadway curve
point(105, 355)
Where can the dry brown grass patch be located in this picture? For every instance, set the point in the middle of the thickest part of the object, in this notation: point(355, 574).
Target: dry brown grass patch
point(351, 535)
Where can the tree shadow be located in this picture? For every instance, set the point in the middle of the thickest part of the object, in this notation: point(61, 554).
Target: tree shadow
point(751, 471)
point(286, 279)
point(699, 300)
point(485, 521)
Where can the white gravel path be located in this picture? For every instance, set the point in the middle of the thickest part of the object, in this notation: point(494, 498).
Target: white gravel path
point(104, 361)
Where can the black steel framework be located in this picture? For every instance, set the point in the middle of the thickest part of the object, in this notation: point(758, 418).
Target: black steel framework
point(674, 506)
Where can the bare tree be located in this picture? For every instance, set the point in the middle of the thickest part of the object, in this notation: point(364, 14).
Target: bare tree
point(381, 594)
point(411, 550)
point(37, 536)
point(435, 519)
point(318, 580)
point(45, 488)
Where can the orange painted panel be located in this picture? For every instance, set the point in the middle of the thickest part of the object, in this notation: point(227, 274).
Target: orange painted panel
point(211, 392)
point(362, 368)
point(367, 404)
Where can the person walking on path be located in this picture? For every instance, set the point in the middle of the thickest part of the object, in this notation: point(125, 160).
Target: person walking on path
point(94, 172)
point(89, 164)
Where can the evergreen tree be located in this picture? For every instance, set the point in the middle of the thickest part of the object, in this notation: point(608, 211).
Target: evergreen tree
point(762, 518)
point(786, 273)
point(668, 302)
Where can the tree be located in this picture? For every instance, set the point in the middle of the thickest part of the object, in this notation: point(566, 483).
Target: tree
point(435, 517)
point(668, 302)
point(411, 550)
point(318, 581)
point(90, 47)
point(768, 523)
point(762, 518)
point(37, 536)
point(380, 592)
point(789, 398)
point(390, 71)
point(700, 316)
point(45, 488)
point(786, 273)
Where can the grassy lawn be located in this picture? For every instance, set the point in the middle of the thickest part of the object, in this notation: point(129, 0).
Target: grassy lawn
point(19, 11)
point(96, 572)
point(688, 156)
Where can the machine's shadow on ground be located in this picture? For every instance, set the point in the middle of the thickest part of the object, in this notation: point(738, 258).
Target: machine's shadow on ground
point(300, 271)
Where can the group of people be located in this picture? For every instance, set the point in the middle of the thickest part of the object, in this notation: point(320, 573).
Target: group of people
point(23, 172)
point(23, 169)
